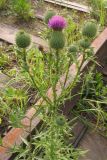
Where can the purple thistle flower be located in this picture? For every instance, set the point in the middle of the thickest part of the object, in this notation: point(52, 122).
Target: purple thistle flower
point(57, 23)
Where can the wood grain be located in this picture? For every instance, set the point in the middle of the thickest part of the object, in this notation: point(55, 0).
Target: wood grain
point(96, 146)
point(8, 33)
point(71, 5)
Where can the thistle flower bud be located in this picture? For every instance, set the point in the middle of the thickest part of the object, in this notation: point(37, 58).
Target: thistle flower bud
point(23, 39)
point(73, 49)
point(57, 40)
point(60, 121)
point(89, 30)
point(85, 43)
point(48, 16)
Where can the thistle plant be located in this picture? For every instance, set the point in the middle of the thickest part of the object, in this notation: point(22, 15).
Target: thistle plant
point(49, 141)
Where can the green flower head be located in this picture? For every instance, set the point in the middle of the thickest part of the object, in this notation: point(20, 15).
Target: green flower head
point(84, 43)
point(23, 39)
point(60, 121)
point(57, 40)
point(73, 49)
point(89, 30)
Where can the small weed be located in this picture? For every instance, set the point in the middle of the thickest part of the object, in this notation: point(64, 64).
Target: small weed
point(22, 9)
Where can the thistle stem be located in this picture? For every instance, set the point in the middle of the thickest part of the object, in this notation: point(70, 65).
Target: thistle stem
point(26, 67)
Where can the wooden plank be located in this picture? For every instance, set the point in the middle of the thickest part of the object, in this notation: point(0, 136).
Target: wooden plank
point(71, 5)
point(40, 16)
point(96, 146)
point(7, 33)
point(79, 131)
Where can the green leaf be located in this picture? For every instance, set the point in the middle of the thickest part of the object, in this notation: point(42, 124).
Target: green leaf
point(25, 141)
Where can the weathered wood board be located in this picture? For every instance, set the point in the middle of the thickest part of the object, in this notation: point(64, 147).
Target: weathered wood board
point(96, 146)
point(71, 5)
point(7, 33)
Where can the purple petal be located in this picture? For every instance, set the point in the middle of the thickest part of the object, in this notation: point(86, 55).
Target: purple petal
point(57, 23)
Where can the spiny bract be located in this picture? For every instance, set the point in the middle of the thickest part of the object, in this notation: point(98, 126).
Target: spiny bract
point(84, 43)
point(60, 121)
point(89, 30)
point(73, 49)
point(23, 39)
point(57, 40)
